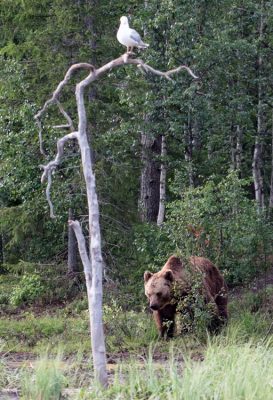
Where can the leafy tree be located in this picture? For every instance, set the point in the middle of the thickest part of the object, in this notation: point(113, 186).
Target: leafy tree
point(210, 126)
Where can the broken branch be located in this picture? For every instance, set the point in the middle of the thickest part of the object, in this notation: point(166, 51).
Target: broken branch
point(52, 165)
point(82, 246)
point(54, 99)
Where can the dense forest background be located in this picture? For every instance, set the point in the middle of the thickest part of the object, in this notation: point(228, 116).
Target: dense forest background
point(217, 132)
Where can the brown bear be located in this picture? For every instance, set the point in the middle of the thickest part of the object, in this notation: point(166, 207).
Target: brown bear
point(162, 300)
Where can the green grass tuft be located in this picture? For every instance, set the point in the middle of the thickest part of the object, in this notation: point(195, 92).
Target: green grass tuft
point(45, 382)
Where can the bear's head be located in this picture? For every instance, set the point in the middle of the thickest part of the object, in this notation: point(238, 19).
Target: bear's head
point(158, 288)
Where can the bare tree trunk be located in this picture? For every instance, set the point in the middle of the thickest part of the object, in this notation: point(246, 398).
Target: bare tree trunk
point(162, 188)
point(95, 290)
point(271, 180)
point(257, 162)
point(257, 173)
point(1, 254)
point(236, 147)
point(72, 247)
point(189, 150)
point(93, 266)
point(150, 172)
point(232, 148)
point(239, 148)
point(150, 178)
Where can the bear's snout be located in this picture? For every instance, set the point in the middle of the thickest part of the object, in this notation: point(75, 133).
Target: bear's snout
point(154, 307)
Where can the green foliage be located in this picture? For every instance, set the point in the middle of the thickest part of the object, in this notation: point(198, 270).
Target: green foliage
point(46, 382)
point(27, 283)
point(235, 363)
point(23, 221)
point(218, 221)
point(241, 371)
point(152, 246)
point(32, 332)
point(127, 328)
point(221, 373)
point(218, 40)
point(194, 315)
point(36, 286)
point(30, 289)
point(7, 285)
point(215, 220)
point(21, 268)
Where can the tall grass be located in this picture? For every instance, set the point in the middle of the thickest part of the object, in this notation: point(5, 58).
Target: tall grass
point(45, 382)
point(231, 372)
point(234, 368)
point(235, 365)
point(235, 372)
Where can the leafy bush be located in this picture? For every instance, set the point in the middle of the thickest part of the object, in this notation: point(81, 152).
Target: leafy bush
point(194, 314)
point(31, 288)
point(4, 298)
point(127, 328)
point(218, 221)
point(21, 268)
point(152, 245)
point(27, 283)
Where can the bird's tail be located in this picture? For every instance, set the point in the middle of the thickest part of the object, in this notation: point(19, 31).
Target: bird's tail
point(143, 45)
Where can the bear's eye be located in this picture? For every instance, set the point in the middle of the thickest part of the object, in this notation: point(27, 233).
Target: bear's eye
point(159, 294)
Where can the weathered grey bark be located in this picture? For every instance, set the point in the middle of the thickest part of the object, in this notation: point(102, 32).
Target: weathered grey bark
point(189, 150)
point(232, 148)
point(236, 147)
point(257, 172)
point(93, 267)
point(257, 162)
point(239, 147)
point(1, 254)
point(162, 187)
point(271, 180)
point(72, 247)
point(150, 177)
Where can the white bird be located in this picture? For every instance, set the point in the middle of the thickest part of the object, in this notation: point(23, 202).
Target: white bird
point(129, 37)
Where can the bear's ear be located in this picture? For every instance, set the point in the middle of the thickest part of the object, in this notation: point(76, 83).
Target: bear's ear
point(147, 276)
point(169, 275)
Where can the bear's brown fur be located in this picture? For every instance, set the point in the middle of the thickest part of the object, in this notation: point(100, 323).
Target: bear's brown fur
point(158, 289)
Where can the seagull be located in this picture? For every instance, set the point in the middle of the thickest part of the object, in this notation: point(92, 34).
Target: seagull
point(129, 37)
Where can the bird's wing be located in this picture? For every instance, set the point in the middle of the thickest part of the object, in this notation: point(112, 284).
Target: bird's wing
point(134, 35)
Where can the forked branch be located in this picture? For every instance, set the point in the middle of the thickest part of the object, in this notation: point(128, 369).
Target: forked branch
point(93, 264)
point(147, 68)
point(93, 75)
point(70, 124)
point(54, 99)
point(52, 165)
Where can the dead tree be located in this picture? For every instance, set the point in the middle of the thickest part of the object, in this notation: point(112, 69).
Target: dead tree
point(1, 254)
point(271, 180)
point(92, 259)
point(162, 187)
point(257, 161)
